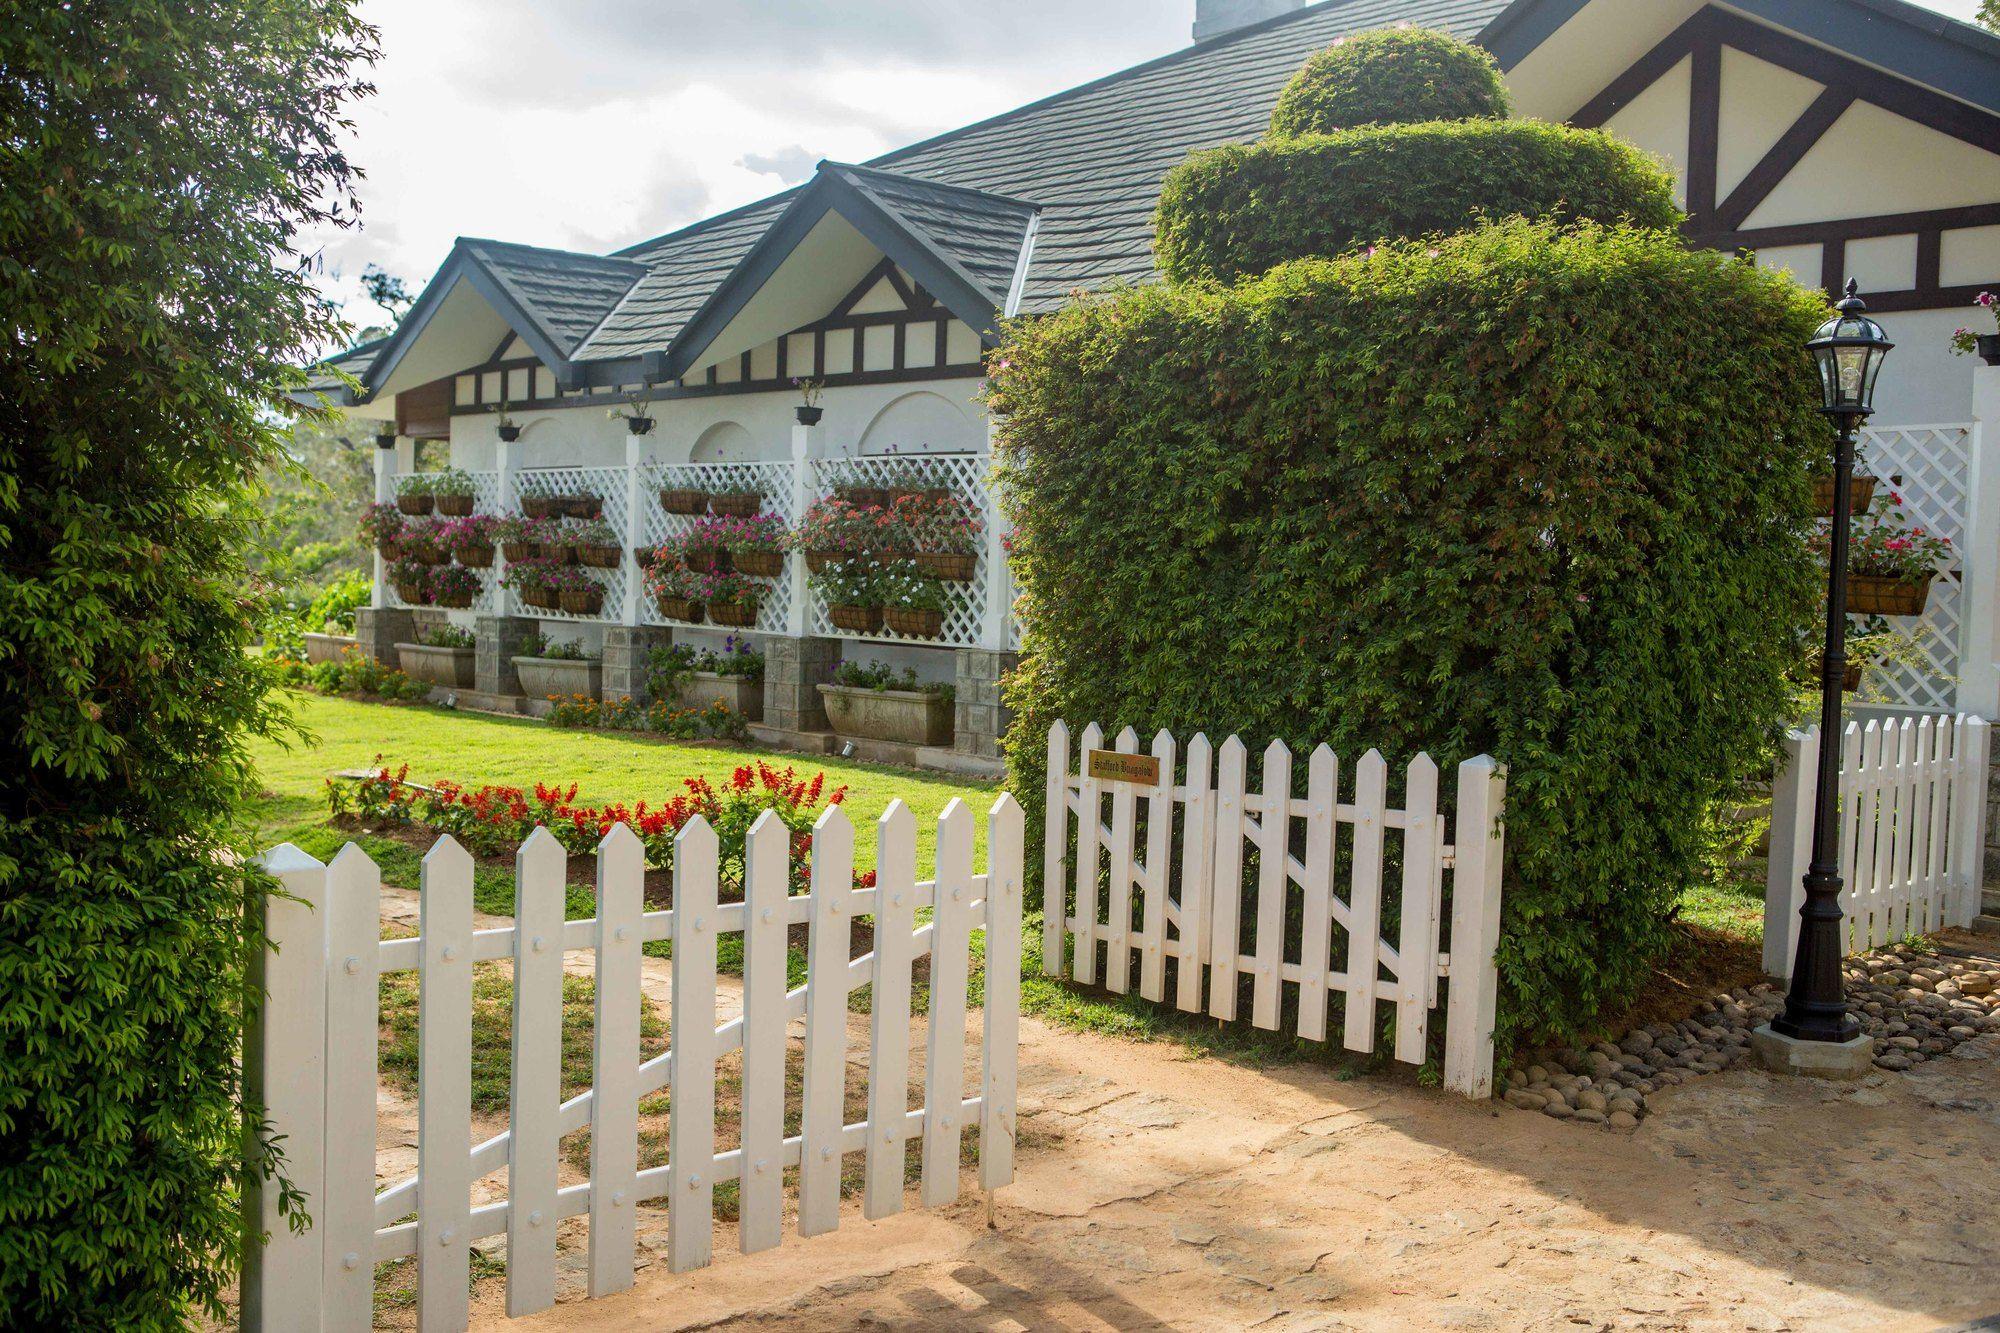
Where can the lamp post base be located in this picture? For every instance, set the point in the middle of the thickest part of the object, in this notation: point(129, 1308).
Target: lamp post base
point(1813, 1059)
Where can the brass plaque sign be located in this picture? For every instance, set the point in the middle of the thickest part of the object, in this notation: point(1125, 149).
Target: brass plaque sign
point(1111, 766)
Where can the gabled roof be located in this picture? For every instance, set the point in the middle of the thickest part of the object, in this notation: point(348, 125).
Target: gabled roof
point(324, 382)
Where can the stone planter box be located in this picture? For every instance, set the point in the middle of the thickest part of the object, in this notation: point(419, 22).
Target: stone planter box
point(328, 647)
point(743, 695)
point(543, 676)
point(907, 717)
point(450, 667)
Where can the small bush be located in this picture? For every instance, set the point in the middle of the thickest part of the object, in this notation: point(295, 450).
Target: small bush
point(1242, 209)
point(1394, 76)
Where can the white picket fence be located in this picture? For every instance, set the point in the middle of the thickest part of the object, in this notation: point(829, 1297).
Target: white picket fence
point(1912, 831)
point(1122, 895)
point(312, 1056)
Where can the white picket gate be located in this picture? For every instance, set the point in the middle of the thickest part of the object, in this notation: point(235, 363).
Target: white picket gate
point(1912, 831)
point(1126, 897)
point(311, 1057)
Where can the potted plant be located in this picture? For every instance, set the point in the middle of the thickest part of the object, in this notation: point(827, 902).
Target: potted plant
point(1890, 566)
point(1987, 345)
point(853, 597)
point(732, 676)
point(442, 655)
point(645, 556)
point(671, 586)
point(541, 506)
point(862, 496)
point(530, 580)
point(413, 494)
point(1861, 494)
point(730, 598)
point(875, 703)
point(455, 586)
point(557, 546)
point(412, 581)
point(504, 424)
point(809, 411)
point(689, 500)
point(944, 532)
point(518, 536)
point(637, 414)
point(470, 540)
point(835, 530)
point(578, 593)
point(422, 541)
point(382, 525)
point(735, 501)
point(913, 603)
point(700, 548)
point(756, 545)
point(549, 668)
point(596, 545)
point(454, 491)
point(333, 639)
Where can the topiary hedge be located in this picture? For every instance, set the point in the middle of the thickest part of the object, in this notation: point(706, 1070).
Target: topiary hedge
point(1529, 492)
point(1241, 209)
point(1392, 76)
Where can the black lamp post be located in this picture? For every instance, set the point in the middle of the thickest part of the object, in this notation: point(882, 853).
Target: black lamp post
point(1850, 349)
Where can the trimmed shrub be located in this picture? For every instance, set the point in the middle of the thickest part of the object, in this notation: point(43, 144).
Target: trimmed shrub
point(1390, 77)
point(1241, 209)
point(1532, 492)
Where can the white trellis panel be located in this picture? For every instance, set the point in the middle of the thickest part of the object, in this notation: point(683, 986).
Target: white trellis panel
point(1932, 464)
point(1222, 908)
point(486, 500)
point(965, 476)
point(608, 484)
point(772, 480)
point(289, 1283)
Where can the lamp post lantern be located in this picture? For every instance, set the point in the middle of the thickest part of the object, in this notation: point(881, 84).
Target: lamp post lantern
point(1849, 349)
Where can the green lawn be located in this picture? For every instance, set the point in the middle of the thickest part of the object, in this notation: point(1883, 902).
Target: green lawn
point(474, 748)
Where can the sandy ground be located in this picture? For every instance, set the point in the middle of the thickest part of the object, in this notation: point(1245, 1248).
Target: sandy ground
point(1157, 1190)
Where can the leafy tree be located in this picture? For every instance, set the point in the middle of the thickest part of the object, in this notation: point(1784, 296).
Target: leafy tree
point(162, 163)
point(1989, 14)
point(1394, 76)
point(386, 290)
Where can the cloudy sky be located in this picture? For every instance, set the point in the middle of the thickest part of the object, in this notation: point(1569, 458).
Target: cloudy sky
point(592, 124)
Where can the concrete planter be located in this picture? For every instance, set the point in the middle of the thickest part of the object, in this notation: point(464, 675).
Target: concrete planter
point(450, 667)
point(328, 647)
point(543, 676)
point(743, 695)
point(907, 717)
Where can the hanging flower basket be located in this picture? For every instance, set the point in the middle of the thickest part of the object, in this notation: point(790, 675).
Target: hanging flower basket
point(915, 624)
point(456, 599)
point(865, 497)
point(431, 555)
point(818, 561)
point(1887, 595)
point(411, 591)
point(738, 615)
point(856, 619)
point(476, 557)
point(388, 549)
point(454, 506)
point(759, 564)
point(708, 562)
point(739, 505)
point(417, 503)
point(582, 602)
point(600, 557)
point(561, 553)
point(951, 566)
point(678, 501)
point(680, 608)
point(583, 506)
point(517, 551)
point(539, 506)
point(1861, 495)
point(646, 556)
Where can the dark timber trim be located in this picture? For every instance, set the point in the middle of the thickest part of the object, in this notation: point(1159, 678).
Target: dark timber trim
point(1787, 153)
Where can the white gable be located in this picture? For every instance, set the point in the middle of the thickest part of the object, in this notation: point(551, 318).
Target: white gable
point(1759, 103)
point(1657, 121)
point(1873, 161)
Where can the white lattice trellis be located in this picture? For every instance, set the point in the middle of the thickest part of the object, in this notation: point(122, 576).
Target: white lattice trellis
point(962, 474)
point(607, 484)
point(1931, 465)
point(772, 480)
point(485, 500)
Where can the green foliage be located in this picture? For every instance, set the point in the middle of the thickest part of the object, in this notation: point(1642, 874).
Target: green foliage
point(355, 674)
point(1393, 76)
point(1989, 14)
point(162, 162)
point(1530, 492)
point(1241, 209)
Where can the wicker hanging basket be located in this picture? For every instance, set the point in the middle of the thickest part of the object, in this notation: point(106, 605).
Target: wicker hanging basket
point(817, 562)
point(856, 619)
point(1861, 494)
point(456, 601)
point(454, 506)
point(759, 564)
point(1886, 595)
point(680, 608)
point(600, 557)
point(515, 551)
point(735, 506)
point(539, 506)
point(951, 566)
point(413, 593)
point(676, 501)
point(583, 506)
point(416, 504)
point(737, 615)
point(915, 624)
point(476, 557)
point(584, 602)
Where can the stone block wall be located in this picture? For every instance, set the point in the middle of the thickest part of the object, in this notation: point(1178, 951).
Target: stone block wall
point(378, 629)
point(628, 652)
point(981, 719)
point(496, 639)
point(794, 669)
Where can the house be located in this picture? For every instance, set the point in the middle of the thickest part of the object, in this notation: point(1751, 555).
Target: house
point(1836, 139)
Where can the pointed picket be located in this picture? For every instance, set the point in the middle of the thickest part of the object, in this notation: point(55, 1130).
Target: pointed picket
point(1316, 922)
point(346, 1213)
point(1861, 893)
point(1226, 896)
point(822, 1115)
point(1197, 849)
point(691, 1091)
point(614, 1118)
point(1416, 948)
point(1900, 919)
point(944, 1059)
point(444, 1089)
point(1055, 849)
point(1083, 960)
point(1159, 849)
point(1364, 904)
point(1274, 883)
point(889, 1011)
point(767, 854)
point(1936, 812)
point(534, 1092)
point(1118, 927)
point(1852, 787)
point(1001, 1054)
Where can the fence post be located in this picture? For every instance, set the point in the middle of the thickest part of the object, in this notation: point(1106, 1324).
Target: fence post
point(1479, 841)
point(1968, 819)
point(1979, 554)
point(284, 1072)
point(1055, 851)
point(1792, 801)
point(803, 439)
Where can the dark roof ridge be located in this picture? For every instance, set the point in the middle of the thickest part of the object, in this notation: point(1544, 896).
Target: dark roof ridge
point(613, 258)
point(862, 169)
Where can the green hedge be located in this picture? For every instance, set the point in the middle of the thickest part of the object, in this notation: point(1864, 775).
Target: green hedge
point(1391, 76)
point(1534, 493)
point(1242, 209)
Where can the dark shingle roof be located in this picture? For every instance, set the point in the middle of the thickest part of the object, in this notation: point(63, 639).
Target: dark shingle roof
point(568, 294)
point(1091, 158)
point(980, 232)
point(323, 384)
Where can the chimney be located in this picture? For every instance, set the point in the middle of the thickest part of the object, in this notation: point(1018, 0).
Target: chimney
point(1215, 18)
